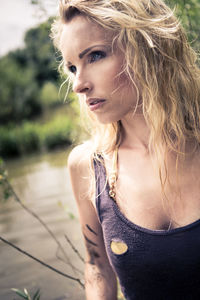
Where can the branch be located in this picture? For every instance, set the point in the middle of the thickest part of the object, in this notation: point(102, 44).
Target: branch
point(11, 191)
point(74, 249)
point(42, 263)
point(43, 224)
point(61, 259)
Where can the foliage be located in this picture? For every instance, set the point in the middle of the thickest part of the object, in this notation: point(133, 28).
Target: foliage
point(49, 95)
point(18, 91)
point(29, 87)
point(41, 54)
point(31, 136)
point(28, 139)
point(5, 191)
point(56, 133)
point(25, 295)
point(26, 74)
point(188, 12)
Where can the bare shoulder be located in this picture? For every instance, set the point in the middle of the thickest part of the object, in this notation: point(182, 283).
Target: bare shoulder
point(79, 158)
point(81, 173)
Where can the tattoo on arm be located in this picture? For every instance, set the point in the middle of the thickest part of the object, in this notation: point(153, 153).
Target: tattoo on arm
point(86, 238)
point(90, 229)
point(90, 246)
point(89, 241)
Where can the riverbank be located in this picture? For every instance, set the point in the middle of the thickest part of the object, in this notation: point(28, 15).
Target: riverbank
point(55, 128)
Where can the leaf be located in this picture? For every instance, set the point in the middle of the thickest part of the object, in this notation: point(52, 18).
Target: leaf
point(37, 296)
point(20, 293)
point(7, 194)
point(26, 292)
point(71, 216)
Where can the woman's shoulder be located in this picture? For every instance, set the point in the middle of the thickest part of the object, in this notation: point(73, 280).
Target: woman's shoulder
point(81, 172)
point(79, 158)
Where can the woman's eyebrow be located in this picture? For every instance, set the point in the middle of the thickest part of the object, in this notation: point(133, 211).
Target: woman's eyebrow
point(84, 52)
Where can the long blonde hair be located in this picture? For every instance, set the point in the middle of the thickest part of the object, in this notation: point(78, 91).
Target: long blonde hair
point(159, 57)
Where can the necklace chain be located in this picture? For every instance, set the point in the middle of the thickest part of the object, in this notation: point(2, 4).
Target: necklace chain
point(113, 176)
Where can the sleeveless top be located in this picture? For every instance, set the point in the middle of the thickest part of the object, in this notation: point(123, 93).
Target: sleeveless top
point(150, 264)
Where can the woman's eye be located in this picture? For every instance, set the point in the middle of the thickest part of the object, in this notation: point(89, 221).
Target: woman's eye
point(96, 55)
point(72, 69)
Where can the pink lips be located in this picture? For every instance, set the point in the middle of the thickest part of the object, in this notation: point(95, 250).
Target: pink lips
point(95, 103)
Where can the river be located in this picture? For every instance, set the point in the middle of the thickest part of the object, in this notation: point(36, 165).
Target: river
point(42, 183)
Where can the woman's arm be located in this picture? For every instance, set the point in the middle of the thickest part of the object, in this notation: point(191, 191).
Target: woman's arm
point(100, 280)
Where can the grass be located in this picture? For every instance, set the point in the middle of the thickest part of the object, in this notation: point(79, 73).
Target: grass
point(31, 136)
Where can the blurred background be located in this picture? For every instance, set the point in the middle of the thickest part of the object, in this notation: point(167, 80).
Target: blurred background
point(33, 115)
point(37, 130)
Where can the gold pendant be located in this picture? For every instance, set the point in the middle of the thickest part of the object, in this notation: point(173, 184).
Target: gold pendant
point(118, 247)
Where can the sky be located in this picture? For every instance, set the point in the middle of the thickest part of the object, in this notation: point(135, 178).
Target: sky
point(17, 16)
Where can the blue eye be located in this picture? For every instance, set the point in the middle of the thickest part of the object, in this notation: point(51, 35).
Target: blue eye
point(96, 55)
point(72, 69)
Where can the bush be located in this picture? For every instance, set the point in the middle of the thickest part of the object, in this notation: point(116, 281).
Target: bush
point(49, 95)
point(57, 133)
point(28, 137)
point(18, 92)
point(8, 143)
point(31, 137)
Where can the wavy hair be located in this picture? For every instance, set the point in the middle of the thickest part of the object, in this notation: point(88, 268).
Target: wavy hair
point(159, 57)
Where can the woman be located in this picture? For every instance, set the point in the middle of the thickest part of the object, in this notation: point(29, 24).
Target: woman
point(136, 181)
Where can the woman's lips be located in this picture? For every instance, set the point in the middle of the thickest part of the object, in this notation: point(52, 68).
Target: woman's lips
point(95, 103)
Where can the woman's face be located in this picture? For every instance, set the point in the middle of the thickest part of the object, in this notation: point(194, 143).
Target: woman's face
point(97, 70)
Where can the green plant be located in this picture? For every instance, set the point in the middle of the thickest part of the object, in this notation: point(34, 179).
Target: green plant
point(31, 136)
point(188, 12)
point(8, 143)
point(28, 138)
point(5, 191)
point(49, 95)
point(57, 132)
point(25, 295)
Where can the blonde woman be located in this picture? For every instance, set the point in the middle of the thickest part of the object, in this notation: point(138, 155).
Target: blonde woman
point(136, 181)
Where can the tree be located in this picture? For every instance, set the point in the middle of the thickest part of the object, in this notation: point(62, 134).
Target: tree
point(24, 72)
point(41, 54)
point(18, 91)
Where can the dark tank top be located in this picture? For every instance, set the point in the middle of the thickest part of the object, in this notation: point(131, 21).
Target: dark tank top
point(150, 264)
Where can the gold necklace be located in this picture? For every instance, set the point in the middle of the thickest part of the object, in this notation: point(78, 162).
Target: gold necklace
point(113, 176)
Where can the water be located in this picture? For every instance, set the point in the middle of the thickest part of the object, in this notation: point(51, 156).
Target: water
point(42, 183)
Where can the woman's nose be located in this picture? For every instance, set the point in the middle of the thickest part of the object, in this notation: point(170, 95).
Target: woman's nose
point(81, 86)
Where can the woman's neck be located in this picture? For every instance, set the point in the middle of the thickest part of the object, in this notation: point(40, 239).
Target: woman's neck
point(135, 132)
